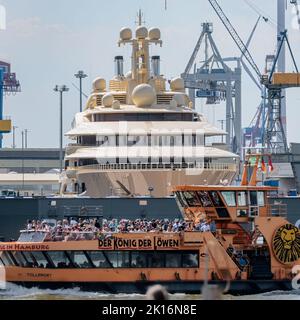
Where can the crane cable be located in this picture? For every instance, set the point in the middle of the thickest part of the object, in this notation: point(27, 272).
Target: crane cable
point(261, 12)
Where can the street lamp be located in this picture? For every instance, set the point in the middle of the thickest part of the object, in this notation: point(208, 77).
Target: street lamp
point(14, 137)
point(80, 75)
point(61, 90)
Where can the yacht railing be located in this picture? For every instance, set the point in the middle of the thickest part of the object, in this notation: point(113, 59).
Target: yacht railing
point(161, 166)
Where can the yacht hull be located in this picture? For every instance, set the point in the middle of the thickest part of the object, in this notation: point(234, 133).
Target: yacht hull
point(117, 182)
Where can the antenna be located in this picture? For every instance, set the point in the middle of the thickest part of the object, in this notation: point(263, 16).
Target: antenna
point(166, 4)
point(140, 17)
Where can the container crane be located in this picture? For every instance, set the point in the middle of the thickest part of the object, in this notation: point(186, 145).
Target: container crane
point(274, 137)
point(8, 84)
point(297, 5)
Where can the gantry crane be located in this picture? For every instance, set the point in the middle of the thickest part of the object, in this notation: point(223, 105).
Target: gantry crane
point(274, 137)
point(8, 84)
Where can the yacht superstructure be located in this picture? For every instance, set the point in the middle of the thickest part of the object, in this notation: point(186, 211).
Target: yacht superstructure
point(136, 136)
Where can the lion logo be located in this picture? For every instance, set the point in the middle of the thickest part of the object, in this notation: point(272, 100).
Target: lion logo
point(286, 243)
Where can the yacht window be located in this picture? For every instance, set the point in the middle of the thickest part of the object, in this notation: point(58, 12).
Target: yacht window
point(242, 198)
point(216, 199)
point(204, 198)
point(261, 198)
point(229, 197)
point(253, 198)
point(132, 140)
point(191, 199)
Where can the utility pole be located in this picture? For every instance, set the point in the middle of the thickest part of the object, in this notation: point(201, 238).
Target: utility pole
point(61, 90)
point(26, 138)
point(14, 137)
point(80, 75)
point(23, 174)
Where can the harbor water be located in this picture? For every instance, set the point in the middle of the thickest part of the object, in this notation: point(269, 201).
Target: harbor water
point(14, 292)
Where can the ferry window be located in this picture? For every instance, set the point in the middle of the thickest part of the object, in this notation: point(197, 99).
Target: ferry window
point(20, 259)
point(242, 198)
point(99, 259)
point(138, 259)
point(181, 199)
point(7, 259)
point(261, 198)
point(112, 258)
point(59, 259)
point(253, 198)
point(155, 260)
point(191, 199)
point(229, 197)
point(216, 199)
point(242, 213)
point(124, 259)
point(79, 259)
point(190, 260)
point(41, 259)
point(173, 260)
point(204, 198)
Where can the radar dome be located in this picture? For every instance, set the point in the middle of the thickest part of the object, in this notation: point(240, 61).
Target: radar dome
point(180, 98)
point(177, 84)
point(125, 34)
point(173, 103)
point(107, 100)
point(116, 104)
point(141, 33)
point(99, 84)
point(128, 75)
point(143, 95)
point(154, 34)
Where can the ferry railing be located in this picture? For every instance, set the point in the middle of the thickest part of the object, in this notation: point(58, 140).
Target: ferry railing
point(159, 166)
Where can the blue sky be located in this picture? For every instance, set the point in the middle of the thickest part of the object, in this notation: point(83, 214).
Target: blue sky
point(47, 41)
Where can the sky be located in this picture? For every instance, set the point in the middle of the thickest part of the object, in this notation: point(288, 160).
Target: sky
point(48, 41)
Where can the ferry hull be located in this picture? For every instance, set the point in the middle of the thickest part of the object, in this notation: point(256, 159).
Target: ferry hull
point(237, 287)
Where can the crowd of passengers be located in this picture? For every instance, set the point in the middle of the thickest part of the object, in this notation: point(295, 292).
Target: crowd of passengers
point(88, 229)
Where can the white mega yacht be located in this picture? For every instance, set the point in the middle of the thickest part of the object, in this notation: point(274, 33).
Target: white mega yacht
point(139, 134)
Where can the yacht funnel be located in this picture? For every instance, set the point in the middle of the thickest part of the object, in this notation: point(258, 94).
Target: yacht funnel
point(155, 62)
point(119, 65)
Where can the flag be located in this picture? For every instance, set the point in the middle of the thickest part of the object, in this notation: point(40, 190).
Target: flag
point(270, 165)
point(263, 166)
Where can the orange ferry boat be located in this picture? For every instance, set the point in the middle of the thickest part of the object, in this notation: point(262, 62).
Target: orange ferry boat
point(249, 245)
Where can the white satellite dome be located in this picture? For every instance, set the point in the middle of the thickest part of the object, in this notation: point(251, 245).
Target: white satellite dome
point(143, 95)
point(154, 34)
point(116, 104)
point(99, 84)
point(177, 84)
point(125, 34)
point(180, 98)
point(141, 32)
point(107, 100)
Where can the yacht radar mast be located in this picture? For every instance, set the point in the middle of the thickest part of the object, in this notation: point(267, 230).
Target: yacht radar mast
point(140, 65)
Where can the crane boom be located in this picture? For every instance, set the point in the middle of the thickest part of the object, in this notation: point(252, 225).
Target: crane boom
point(235, 36)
